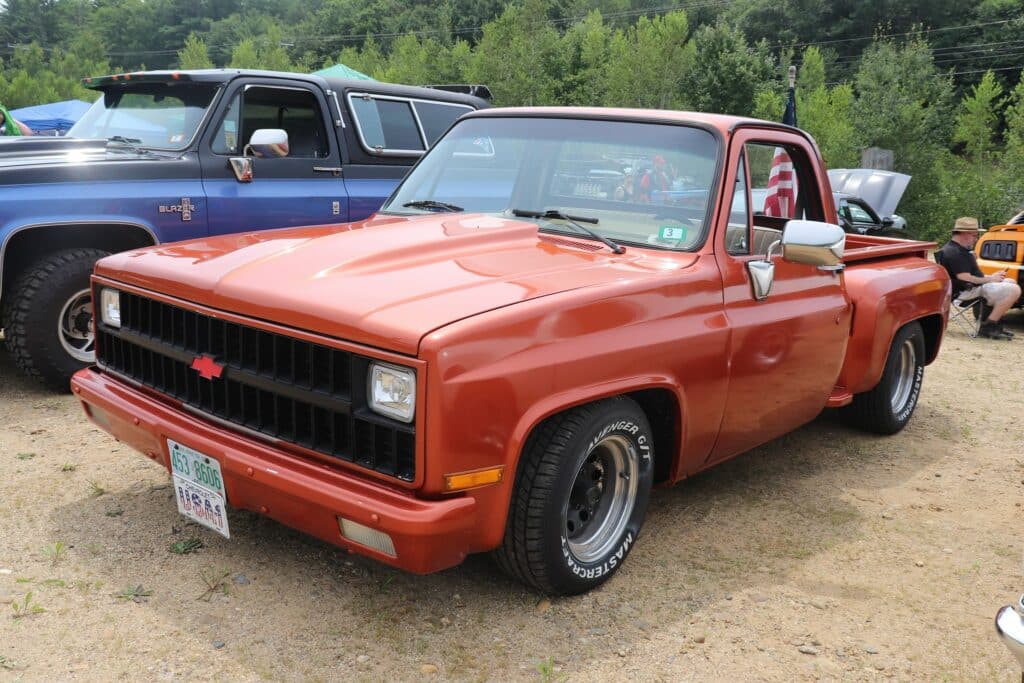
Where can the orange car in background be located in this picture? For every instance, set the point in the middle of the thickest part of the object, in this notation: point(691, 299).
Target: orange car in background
point(1001, 247)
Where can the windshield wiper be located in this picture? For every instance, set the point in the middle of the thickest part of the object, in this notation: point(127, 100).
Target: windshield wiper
point(432, 205)
point(574, 221)
point(131, 143)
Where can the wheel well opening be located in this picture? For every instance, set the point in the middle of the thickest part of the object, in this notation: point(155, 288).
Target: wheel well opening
point(932, 327)
point(662, 410)
point(31, 244)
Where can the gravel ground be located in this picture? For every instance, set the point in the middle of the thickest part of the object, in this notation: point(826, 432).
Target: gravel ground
point(823, 555)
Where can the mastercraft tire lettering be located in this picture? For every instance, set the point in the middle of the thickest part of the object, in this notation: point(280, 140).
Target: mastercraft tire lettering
point(581, 493)
point(887, 408)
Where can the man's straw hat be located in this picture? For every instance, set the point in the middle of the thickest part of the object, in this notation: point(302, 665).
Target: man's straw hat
point(966, 224)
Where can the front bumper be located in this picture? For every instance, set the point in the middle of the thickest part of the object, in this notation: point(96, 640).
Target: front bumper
point(428, 535)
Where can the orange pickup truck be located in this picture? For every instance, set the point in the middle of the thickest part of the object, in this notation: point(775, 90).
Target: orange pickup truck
point(555, 311)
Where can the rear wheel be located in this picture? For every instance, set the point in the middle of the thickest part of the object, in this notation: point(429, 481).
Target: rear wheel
point(48, 316)
point(580, 497)
point(887, 408)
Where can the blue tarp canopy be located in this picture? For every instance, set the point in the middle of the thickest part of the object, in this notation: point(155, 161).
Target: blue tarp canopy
point(57, 116)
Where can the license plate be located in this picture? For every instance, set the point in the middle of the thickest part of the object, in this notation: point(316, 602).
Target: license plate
point(199, 487)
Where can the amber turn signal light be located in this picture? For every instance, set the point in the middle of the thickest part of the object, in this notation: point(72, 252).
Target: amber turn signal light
point(460, 481)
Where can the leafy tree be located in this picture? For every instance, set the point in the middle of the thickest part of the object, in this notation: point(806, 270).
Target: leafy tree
point(905, 104)
point(245, 56)
point(726, 73)
point(979, 116)
point(517, 55)
point(826, 113)
point(585, 45)
point(647, 63)
point(194, 55)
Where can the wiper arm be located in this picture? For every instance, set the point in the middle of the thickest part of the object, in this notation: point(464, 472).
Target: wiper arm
point(432, 205)
point(574, 221)
point(131, 143)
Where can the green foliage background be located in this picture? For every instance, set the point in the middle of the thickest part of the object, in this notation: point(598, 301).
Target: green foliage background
point(937, 82)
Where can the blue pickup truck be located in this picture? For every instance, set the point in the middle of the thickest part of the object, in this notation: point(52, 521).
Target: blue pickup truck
point(170, 155)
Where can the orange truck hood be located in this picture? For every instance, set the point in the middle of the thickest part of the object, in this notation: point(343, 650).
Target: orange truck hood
point(386, 281)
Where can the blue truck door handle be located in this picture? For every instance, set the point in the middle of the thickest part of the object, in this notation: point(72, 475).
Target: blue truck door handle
point(333, 170)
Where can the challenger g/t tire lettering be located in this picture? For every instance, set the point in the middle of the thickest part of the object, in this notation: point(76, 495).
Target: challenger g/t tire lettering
point(580, 497)
point(48, 316)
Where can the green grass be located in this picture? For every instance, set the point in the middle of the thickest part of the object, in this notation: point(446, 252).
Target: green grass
point(26, 608)
point(95, 490)
point(55, 552)
point(26, 456)
point(68, 467)
point(189, 545)
point(134, 594)
point(216, 581)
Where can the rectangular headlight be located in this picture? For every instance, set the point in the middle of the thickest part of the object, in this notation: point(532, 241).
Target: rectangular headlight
point(391, 391)
point(110, 307)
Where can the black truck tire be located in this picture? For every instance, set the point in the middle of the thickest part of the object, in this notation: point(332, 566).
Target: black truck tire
point(47, 316)
point(887, 407)
point(580, 496)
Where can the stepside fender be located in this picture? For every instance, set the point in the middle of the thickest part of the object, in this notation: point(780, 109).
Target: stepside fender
point(886, 296)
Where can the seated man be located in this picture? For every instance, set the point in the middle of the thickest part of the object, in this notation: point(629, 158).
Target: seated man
point(969, 282)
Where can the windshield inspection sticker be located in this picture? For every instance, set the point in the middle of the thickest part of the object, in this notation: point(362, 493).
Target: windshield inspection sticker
point(671, 232)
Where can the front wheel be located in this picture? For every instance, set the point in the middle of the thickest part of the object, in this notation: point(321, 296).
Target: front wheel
point(580, 497)
point(48, 316)
point(887, 408)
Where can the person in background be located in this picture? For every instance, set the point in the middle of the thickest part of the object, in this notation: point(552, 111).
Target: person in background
point(10, 125)
point(969, 282)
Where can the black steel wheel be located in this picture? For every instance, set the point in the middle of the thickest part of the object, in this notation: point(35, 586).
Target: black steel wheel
point(580, 497)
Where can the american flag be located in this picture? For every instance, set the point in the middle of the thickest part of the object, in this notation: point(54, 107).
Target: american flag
point(781, 198)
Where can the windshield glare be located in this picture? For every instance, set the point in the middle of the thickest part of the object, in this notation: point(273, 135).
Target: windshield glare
point(645, 183)
point(153, 115)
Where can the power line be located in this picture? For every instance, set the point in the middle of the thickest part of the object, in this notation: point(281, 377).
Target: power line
point(895, 35)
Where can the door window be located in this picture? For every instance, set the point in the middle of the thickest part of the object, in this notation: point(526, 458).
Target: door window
point(294, 110)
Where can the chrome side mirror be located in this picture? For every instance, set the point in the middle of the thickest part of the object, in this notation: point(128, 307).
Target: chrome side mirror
point(814, 243)
point(265, 142)
point(1010, 627)
point(268, 143)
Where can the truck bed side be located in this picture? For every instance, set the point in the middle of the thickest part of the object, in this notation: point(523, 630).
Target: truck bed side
point(891, 282)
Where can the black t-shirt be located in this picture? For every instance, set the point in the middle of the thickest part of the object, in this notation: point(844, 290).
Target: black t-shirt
point(959, 259)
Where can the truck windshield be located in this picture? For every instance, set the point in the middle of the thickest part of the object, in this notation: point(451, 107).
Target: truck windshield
point(152, 115)
point(642, 183)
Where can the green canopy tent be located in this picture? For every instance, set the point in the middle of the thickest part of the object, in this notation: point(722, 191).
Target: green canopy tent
point(341, 71)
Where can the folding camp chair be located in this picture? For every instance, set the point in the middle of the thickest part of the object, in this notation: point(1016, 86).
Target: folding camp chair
point(968, 309)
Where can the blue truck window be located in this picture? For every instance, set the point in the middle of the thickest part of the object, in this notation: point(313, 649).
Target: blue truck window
point(294, 110)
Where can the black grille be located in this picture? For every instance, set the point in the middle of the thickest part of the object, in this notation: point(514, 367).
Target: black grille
point(999, 250)
point(289, 389)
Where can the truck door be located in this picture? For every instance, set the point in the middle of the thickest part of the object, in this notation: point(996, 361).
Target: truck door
point(303, 188)
point(786, 350)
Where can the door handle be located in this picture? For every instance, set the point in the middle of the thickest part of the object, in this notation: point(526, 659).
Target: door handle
point(333, 170)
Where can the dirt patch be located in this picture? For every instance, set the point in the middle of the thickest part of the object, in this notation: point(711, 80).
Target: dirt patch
point(826, 554)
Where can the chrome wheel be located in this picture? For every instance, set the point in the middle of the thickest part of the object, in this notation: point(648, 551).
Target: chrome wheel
point(906, 375)
point(601, 499)
point(75, 328)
